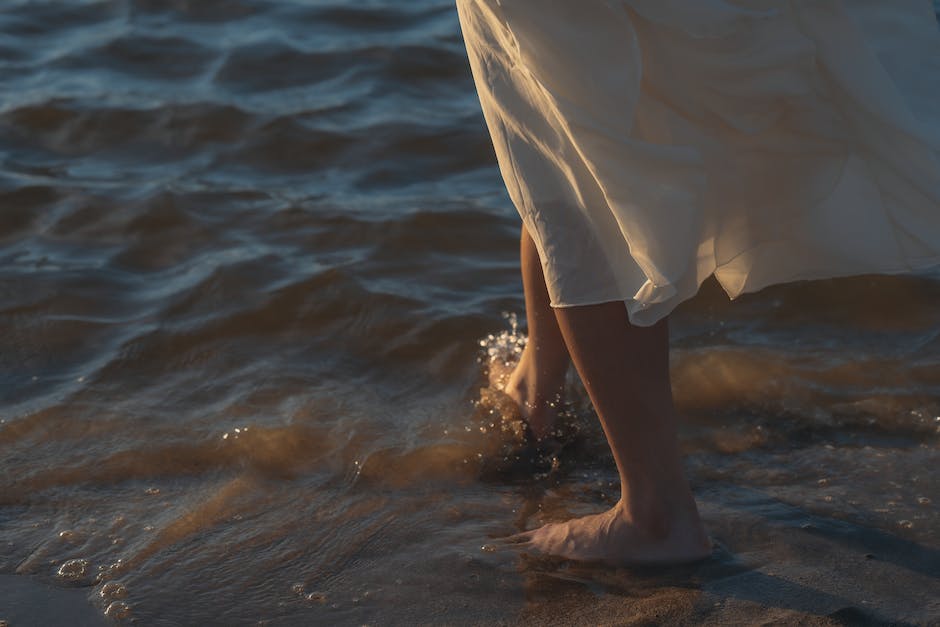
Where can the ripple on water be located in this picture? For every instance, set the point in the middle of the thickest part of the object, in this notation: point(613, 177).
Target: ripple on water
point(142, 58)
point(273, 65)
point(66, 127)
point(282, 222)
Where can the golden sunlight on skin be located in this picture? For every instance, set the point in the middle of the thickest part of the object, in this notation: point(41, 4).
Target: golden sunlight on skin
point(625, 370)
point(537, 382)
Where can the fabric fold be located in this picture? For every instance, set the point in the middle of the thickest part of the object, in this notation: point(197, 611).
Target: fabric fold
point(649, 144)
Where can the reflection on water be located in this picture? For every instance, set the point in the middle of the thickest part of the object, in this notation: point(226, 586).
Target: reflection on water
point(254, 264)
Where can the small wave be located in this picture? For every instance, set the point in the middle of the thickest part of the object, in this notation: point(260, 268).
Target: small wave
point(69, 127)
point(276, 65)
point(141, 57)
point(286, 145)
point(374, 18)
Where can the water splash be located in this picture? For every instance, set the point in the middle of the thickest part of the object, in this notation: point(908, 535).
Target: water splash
point(507, 449)
point(502, 351)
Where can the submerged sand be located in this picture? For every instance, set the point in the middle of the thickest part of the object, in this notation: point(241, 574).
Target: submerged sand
point(773, 564)
point(781, 565)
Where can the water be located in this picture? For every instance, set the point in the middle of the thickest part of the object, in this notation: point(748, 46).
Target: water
point(254, 262)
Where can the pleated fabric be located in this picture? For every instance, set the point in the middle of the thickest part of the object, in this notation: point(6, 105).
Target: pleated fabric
point(648, 144)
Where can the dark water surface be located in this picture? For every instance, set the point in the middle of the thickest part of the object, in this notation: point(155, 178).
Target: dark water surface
point(254, 257)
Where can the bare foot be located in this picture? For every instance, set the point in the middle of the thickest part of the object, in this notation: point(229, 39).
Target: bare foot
point(611, 537)
point(538, 389)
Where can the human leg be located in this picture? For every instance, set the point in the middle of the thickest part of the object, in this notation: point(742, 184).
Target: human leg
point(625, 370)
point(538, 380)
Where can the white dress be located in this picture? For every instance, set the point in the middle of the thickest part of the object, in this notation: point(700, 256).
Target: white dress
point(648, 144)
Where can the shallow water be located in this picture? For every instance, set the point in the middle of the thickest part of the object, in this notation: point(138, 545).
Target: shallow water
point(255, 258)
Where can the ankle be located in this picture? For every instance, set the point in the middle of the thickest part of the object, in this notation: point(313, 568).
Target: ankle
point(662, 514)
point(534, 395)
point(540, 373)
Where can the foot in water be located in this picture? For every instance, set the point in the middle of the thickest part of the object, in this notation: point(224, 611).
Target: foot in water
point(537, 388)
point(617, 538)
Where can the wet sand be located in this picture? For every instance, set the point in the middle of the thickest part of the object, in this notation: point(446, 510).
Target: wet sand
point(791, 568)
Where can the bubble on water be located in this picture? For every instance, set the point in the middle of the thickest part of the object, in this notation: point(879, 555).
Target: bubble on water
point(823, 482)
point(488, 548)
point(924, 500)
point(73, 570)
point(118, 610)
point(905, 524)
point(113, 590)
point(152, 491)
point(316, 597)
point(110, 571)
point(67, 534)
point(297, 588)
